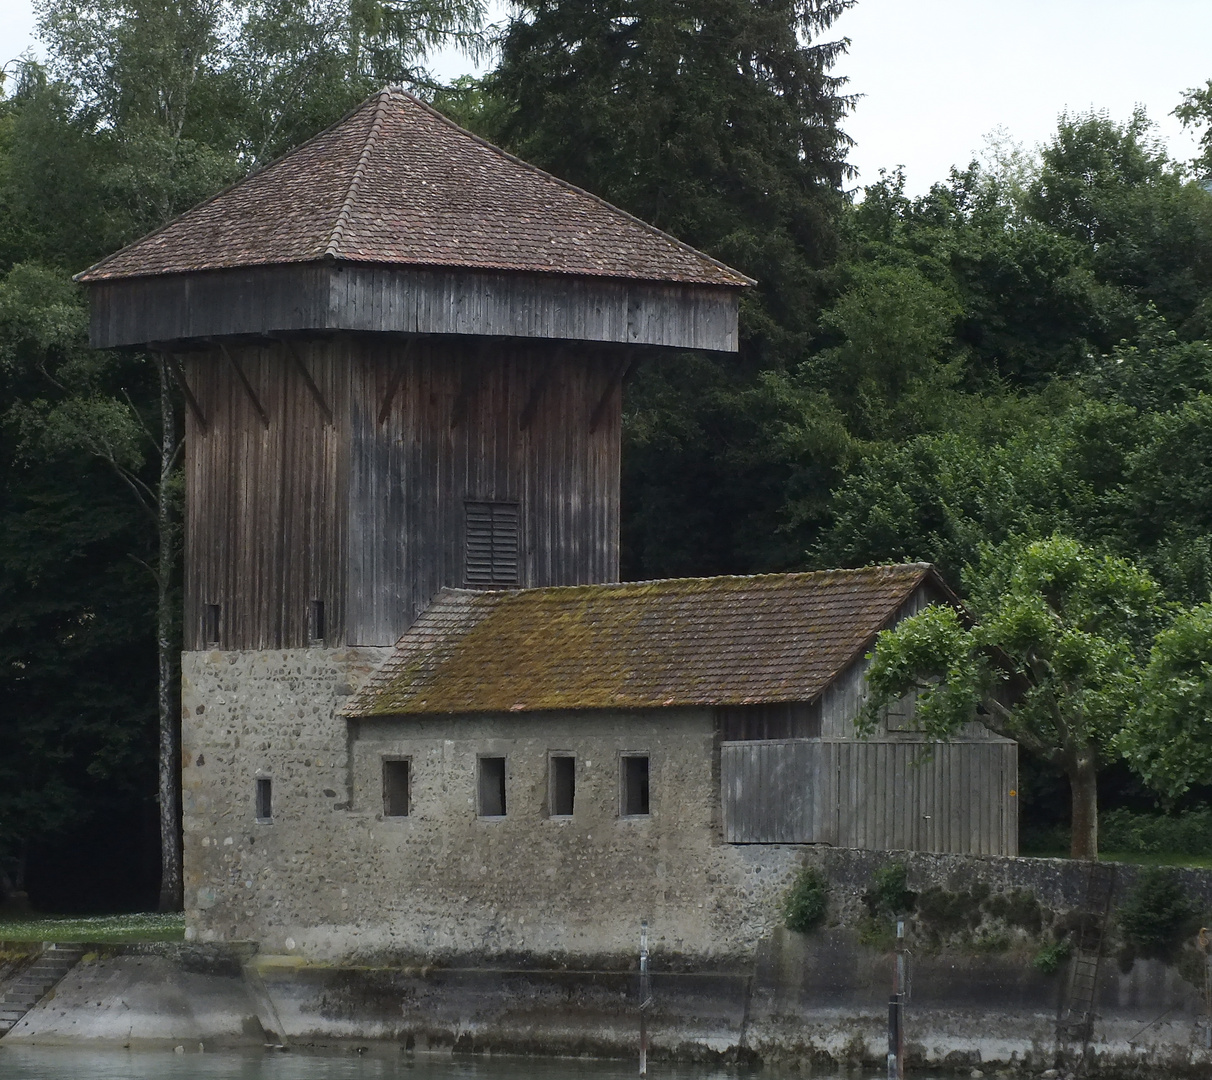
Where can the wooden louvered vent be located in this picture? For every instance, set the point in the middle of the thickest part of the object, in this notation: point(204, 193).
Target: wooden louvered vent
point(492, 544)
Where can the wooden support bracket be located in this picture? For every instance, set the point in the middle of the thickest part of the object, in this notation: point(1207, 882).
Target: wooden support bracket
point(393, 386)
point(174, 365)
point(599, 410)
point(309, 381)
point(526, 417)
point(252, 394)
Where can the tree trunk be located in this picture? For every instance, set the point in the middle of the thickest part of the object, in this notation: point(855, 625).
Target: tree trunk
point(1083, 787)
point(170, 732)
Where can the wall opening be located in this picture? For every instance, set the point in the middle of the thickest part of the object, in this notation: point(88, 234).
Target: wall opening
point(397, 781)
point(633, 775)
point(561, 784)
point(315, 622)
point(492, 787)
point(491, 544)
point(265, 798)
point(210, 625)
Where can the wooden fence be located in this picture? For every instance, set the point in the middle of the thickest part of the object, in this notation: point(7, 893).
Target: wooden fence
point(877, 794)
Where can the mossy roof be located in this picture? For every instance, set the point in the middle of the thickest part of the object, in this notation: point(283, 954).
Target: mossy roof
point(684, 642)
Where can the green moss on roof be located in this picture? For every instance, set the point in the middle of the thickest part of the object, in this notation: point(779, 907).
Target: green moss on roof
point(687, 641)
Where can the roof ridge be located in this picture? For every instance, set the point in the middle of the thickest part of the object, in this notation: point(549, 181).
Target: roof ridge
point(332, 249)
point(648, 226)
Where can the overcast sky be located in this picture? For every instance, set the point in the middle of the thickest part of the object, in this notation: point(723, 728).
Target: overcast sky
point(939, 75)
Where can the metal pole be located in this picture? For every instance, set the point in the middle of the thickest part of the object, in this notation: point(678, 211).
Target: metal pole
point(896, 1009)
point(645, 998)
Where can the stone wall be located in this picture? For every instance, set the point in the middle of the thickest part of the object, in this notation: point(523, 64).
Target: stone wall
point(331, 878)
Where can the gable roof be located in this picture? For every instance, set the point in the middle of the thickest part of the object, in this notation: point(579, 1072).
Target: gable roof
point(395, 182)
point(649, 644)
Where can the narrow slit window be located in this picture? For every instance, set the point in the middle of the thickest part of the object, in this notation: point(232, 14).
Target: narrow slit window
point(561, 785)
point(265, 798)
point(634, 777)
point(492, 544)
point(397, 784)
point(315, 621)
point(210, 624)
point(492, 787)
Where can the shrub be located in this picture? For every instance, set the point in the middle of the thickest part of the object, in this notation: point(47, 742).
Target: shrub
point(1188, 833)
point(1157, 914)
point(889, 893)
point(1052, 955)
point(807, 901)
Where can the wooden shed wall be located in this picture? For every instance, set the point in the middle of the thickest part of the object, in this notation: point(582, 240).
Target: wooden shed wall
point(878, 794)
point(365, 512)
point(520, 422)
point(265, 494)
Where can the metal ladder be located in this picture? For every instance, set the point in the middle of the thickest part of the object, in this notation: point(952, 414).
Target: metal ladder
point(36, 981)
point(1076, 1023)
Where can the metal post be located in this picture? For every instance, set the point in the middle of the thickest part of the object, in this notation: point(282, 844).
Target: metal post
point(896, 1008)
point(645, 998)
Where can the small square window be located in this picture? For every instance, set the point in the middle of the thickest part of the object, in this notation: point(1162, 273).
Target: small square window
point(210, 624)
point(492, 787)
point(265, 799)
point(396, 787)
point(561, 785)
point(633, 775)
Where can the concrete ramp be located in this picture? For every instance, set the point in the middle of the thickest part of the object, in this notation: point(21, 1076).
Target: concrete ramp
point(36, 981)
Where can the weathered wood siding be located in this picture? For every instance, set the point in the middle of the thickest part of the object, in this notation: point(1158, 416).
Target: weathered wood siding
point(877, 794)
point(265, 521)
point(365, 512)
point(537, 425)
point(258, 301)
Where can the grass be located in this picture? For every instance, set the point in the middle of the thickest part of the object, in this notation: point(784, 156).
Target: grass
point(112, 929)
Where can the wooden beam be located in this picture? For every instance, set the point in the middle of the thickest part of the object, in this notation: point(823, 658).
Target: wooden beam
point(309, 381)
point(252, 394)
point(174, 365)
point(526, 416)
point(467, 385)
point(599, 410)
point(393, 386)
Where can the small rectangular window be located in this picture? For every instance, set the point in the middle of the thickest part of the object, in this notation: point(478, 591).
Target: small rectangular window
point(315, 621)
point(396, 780)
point(634, 777)
point(210, 624)
point(265, 798)
point(492, 544)
point(492, 787)
point(561, 784)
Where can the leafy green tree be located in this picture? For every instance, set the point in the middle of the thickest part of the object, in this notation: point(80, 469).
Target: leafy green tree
point(717, 121)
point(1053, 660)
point(1195, 111)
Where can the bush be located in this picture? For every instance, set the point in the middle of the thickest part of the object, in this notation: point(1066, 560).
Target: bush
point(1050, 957)
point(807, 901)
point(889, 893)
point(1157, 914)
point(1189, 833)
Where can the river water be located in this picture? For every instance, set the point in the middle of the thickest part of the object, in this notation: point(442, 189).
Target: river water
point(53, 1063)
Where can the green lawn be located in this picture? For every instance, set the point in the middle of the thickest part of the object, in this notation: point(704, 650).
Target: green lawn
point(93, 928)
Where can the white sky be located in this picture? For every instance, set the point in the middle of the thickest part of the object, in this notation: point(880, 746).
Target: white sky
point(939, 75)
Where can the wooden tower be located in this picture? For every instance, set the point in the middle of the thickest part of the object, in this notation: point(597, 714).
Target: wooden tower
point(401, 349)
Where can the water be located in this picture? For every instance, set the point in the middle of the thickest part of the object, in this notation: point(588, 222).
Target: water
point(53, 1063)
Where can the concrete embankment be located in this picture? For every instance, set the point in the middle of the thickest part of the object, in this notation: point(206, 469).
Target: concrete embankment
point(813, 1001)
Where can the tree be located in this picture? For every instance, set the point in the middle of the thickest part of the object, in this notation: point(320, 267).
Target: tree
point(1169, 739)
point(1195, 111)
point(1054, 660)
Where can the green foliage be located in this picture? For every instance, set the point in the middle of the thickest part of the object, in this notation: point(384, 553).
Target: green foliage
point(889, 893)
point(1187, 833)
point(1052, 955)
point(807, 901)
point(1195, 111)
point(1157, 914)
